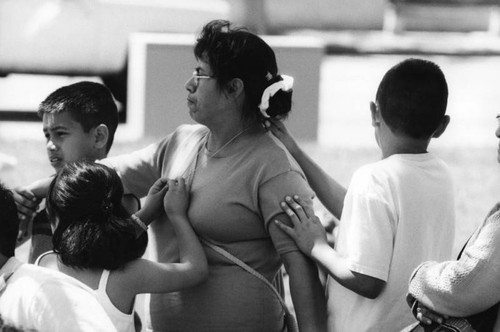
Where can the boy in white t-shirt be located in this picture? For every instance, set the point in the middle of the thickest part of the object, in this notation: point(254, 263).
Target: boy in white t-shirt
point(396, 213)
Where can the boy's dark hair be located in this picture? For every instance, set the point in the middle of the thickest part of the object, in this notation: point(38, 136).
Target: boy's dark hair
point(412, 98)
point(9, 222)
point(238, 53)
point(93, 228)
point(89, 104)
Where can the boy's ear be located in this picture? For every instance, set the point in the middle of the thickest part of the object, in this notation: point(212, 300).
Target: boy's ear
point(375, 114)
point(101, 135)
point(442, 126)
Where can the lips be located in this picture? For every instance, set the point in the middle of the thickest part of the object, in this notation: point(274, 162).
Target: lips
point(55, 161)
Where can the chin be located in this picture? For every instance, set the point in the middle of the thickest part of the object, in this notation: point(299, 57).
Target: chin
point(57, 167)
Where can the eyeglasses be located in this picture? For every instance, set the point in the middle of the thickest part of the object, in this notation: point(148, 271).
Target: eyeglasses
point(197, 78)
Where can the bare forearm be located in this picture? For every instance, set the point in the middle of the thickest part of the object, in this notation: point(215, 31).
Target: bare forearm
point(307, 293)
point(40, 187)
point(190, 249)
point(329, 191)
point(337, 267)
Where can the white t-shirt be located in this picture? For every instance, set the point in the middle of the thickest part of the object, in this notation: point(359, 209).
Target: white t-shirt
point(40, 299)
point(398, 212)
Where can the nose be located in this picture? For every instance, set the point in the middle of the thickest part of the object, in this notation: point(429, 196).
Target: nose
point(50, 145)
point(189, 85)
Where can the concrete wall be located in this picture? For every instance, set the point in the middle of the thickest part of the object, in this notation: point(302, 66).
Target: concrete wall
point(282, 15)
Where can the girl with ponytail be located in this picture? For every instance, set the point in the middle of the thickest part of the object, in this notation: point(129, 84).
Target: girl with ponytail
point(97, 242)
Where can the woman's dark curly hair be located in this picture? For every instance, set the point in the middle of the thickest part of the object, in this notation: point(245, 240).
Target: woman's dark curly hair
point(238, 53)
point(93, 229)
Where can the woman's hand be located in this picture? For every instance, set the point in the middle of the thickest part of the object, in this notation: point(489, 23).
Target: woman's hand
point(427, 316)
point(424, 314)
point(176, 201)
point(307, 231)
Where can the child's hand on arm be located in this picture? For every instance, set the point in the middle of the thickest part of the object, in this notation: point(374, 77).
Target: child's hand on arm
point(307, 231)
point(310, 236)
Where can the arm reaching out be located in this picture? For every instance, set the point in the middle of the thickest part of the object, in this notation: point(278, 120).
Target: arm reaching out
point(329, 191)
point(27, 204)
point(172, 197)
point(309, 234)
point(27, 200)
point(191, 252)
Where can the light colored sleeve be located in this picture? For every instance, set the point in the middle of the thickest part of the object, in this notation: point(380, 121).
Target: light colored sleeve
point(466, 286)
point(170, 157)
point(271, 193)
point(366, 232)
point(140, 169)
point(60, 307)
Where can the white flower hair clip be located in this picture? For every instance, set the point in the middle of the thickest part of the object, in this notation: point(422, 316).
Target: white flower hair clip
point(285, 85)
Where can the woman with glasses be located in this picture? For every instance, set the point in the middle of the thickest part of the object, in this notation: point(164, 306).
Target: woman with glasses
point(238, 175)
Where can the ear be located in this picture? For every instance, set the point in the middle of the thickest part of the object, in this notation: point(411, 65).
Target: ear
point(375, 114)
point(53, 225)
point(101, 135)
point(442, 126)
point(235, 87)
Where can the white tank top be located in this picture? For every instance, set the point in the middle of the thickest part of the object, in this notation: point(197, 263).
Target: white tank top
point(123, 322)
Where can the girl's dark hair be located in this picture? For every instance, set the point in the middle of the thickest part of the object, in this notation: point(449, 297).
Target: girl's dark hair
point(93, 228)
point(238, 53)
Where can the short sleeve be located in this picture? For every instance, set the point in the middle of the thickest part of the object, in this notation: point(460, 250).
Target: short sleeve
point(272, 192)
point(138, 170)
point(170, 158)
point(366, 234)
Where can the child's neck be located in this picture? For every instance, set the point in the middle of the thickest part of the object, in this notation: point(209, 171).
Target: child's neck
point(405, 145)
point(90, 277)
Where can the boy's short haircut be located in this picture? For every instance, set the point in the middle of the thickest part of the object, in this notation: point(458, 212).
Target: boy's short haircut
point(9, 222)
point(89, 104)
point(412, 98)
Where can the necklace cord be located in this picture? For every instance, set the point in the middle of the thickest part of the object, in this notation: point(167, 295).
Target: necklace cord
point(191, 170)
point(225, 144)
